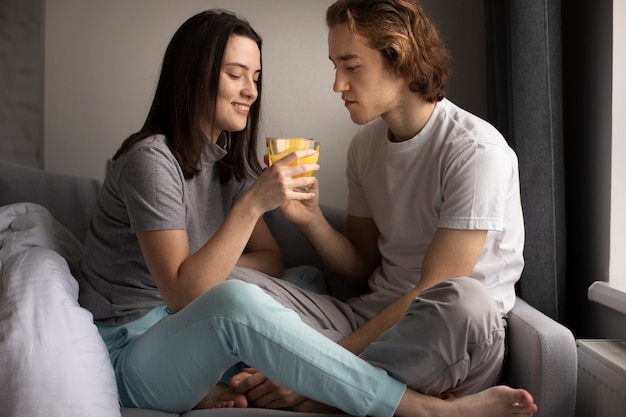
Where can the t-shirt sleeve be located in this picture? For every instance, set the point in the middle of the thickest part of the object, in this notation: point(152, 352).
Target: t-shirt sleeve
point(475, 188)
point(151, 186)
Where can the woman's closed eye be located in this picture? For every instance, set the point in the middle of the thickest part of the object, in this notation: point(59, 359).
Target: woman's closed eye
point(238, 77)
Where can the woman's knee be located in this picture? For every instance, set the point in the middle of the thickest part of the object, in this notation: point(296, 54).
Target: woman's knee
point(231, 295)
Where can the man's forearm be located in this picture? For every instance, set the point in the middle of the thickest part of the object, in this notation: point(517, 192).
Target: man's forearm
point(337, 253)
point(373, 329)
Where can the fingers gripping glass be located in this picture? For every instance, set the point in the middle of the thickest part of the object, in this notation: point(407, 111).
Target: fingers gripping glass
point(278, 148)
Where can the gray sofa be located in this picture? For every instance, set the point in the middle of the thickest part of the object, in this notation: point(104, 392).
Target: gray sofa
point(541, 353)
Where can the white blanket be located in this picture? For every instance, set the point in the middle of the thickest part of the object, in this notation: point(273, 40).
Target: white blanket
point(53, 361)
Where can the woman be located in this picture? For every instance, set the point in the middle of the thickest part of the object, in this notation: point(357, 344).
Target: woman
point(176, 203)
point(176, 218)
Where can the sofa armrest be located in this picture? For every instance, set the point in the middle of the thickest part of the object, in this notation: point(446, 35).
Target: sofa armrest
point(69, 199)
point(542, 359)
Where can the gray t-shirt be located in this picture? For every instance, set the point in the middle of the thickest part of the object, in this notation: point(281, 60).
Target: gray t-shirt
point(146, 190)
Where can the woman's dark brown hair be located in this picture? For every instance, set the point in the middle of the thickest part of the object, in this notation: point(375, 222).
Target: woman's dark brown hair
point(186, 95)
point(404, 35)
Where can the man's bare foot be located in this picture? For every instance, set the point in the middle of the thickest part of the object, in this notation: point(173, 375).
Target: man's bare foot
point(500, 401)
point(221, 396)
point(497, 401)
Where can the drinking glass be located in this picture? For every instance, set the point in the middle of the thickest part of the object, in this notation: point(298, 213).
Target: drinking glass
point(279, 147)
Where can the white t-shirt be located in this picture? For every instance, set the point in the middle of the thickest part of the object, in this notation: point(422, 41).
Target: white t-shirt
point(458, 173)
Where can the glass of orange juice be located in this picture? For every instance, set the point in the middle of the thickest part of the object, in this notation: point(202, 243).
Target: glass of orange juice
point(279, 147)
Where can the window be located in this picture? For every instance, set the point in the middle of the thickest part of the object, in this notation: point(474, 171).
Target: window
point(613, 293)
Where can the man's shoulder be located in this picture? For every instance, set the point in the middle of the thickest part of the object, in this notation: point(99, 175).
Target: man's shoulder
point(466, 124)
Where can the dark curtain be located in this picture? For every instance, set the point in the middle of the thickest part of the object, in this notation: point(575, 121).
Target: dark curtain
point(587, 99)
point(526, 105)
point(550, 92)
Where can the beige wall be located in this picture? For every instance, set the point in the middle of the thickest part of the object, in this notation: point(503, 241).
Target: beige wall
point(102, 60)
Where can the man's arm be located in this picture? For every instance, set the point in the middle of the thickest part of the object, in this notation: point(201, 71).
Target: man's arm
point(451, 253)
point(353, 256)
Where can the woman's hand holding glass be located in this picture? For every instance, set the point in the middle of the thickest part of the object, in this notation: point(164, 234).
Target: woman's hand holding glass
point(284, 181)
point(300, 212)
point(280, 147)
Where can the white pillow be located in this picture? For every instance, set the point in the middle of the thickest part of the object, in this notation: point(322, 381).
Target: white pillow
point(27, 225)
point(53, 361)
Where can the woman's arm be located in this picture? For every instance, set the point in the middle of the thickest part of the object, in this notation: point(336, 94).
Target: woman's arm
point(262, 252)
point(181, 276)
point(243, 239)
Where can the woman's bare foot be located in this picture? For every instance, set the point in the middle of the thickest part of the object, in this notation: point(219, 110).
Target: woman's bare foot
point(497, 401)
point(221, 396)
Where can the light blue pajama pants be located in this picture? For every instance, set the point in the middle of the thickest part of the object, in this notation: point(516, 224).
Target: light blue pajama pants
point(173, 364)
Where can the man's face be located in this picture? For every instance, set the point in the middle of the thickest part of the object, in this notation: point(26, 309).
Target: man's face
point(368, 87)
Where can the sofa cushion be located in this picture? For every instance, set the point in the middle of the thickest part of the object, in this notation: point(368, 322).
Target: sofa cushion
point(69, 199)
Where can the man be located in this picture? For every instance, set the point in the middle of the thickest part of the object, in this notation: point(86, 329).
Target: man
point(434, 225)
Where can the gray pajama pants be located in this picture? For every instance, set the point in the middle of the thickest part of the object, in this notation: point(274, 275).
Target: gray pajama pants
point(450, 341)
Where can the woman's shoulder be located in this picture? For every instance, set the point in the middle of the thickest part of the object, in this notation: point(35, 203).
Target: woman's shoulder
point(150, 156)
point(156, 142)
point(152, 148)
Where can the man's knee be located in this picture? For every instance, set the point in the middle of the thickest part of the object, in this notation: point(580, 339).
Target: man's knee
point(476, 302)
point(450, 332)
point(463, 298)
point(475, 315)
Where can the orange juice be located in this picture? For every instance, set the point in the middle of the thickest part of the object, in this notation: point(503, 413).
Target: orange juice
point(278, 148)
point(313, 159)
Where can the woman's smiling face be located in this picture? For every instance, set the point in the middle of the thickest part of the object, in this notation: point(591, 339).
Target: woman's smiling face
point(237, 89)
